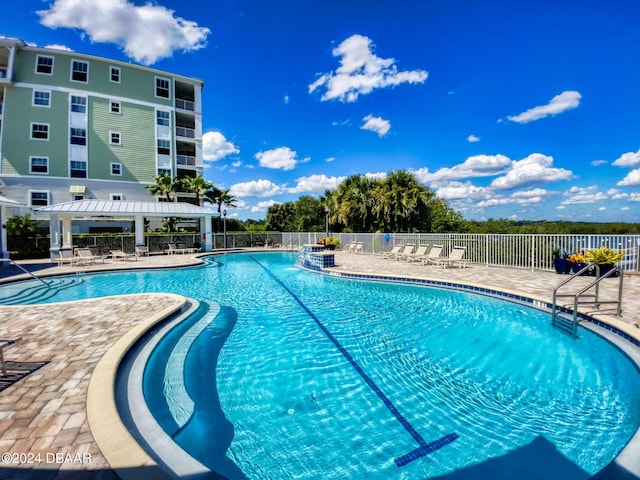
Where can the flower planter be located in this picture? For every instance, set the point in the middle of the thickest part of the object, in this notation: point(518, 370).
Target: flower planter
point(329, 247)
point(606, 268)
point(562, 266)
point(577, 266)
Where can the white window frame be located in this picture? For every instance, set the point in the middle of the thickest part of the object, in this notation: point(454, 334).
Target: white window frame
point(112, 135)
point(86, 170)
point(164, 142)
point(112, 165)
point(73, 62)
point(41, 105)
point(113, 69)
point(118, 107)
point(38, 64)
point(72, 136)
point(83, 106)
point(112, 197)
point(155, 91)
point(158, 112)
point(31, 165)
point(46, 192)
point(33, 124)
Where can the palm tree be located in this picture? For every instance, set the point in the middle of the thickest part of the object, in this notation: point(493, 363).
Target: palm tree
point(197, 185)
point(351, 203)
point(165, 185)
point(222, 198)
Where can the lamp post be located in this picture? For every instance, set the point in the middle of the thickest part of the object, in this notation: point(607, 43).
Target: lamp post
point(326, 220)
point(224, 223)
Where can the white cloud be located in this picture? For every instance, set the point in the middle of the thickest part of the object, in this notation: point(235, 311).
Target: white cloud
point(330, 159)
point(55, 46)
point(376, 124)
point(147, 33)
point(459, 190)
point(473, 139)
point(215, 147)
point(628, 159)
point(316, 184)
point(376, 175)
point(558, 104)
point(361, 71)
point(256, 188)
point(579, 195)
point(474, 166)
point(597, 163)
point(263, 206)
point(525, 197)
point(286, 99)
point(282, 158)
point(536, 168)
point(631, 180)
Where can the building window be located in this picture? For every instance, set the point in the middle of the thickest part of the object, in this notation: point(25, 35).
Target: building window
point(41, 99)
point(162, 171)
point(78, 169)
point(40, 131)
point(39, 165)
point(76, 196)
point(162, 118)
point(114, 138)
point(114, 74)
point(79, 71)
point(44, 65)
point(116, 169)
point(39, 199)
point(162, 88)
point(114, 107)
point(78, 136)
point(164, 147)
point(78, 104)
point(116, 197)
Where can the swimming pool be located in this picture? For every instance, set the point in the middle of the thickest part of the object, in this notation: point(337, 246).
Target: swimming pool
point(319, 377)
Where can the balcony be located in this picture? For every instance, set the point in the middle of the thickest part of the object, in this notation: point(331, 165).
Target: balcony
point(186, 132)
point(186, 160)
point(187, 105)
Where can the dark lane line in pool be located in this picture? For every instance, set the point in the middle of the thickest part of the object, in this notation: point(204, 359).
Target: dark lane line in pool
point(425, 448)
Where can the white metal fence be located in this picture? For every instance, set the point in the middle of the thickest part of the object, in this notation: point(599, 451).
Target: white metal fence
point(505, 250)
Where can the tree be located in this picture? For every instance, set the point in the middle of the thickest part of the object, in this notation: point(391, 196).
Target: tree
point(21, 227)
point(165, 185)
point(197, 185)
point(351, 203)
point(221, 198)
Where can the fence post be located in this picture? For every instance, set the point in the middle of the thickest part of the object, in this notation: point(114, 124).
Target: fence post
point(533, 253)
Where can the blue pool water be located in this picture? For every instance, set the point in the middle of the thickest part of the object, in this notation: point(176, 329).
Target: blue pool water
point(300, 375)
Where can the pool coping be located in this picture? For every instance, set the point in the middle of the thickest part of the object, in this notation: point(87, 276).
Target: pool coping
point(118, 446)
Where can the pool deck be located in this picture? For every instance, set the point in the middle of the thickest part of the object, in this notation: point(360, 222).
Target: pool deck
point(46, 412)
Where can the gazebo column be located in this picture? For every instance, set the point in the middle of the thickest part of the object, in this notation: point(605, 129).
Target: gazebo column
point(54, 236)
point(139, 228)
point(4, 249)
point(67, 237)
point(206, 240)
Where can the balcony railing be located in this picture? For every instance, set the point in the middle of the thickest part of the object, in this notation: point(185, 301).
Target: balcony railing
point(188, 160)
point(185, 105)
point(185, 132)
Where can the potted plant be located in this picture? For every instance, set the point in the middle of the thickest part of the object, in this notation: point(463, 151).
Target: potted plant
point(578, 262)
point(605, 258)
point(331, 243)
point(560, 262)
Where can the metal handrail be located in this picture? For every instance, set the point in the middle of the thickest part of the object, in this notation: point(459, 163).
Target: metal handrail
point(12, 262)
point(576, 296)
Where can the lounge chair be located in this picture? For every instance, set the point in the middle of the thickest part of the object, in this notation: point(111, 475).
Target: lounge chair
point(416, 256)
point(66, 256)
point(187, 249)
point(408, 248)
point(391, 253)
point(433, 255)
point(119, 255)
point(351, 247)
point(4, 344)
point(86, 256)
point(359, 247)
point(455, 258)
point(142, 251)
point(173, 249)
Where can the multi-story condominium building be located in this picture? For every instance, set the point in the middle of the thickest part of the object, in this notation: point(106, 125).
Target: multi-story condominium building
point(76, 126)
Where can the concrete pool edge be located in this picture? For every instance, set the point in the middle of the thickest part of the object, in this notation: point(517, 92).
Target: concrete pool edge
point(123, 453)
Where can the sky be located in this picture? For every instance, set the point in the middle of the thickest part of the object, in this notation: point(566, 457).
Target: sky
point(522, 110)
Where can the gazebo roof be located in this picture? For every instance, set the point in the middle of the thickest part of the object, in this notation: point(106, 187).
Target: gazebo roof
point(125, 208)
point(7, 202)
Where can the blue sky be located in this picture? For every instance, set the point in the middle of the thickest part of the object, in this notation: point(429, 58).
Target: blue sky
point(522, 110)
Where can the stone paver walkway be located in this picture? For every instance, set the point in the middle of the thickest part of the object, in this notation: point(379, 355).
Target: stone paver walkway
point(45, 413)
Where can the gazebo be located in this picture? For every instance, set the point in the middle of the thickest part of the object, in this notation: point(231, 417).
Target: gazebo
point(4, 204)
point(62, 214)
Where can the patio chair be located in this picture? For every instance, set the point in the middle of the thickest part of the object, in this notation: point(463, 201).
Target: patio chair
point(351, 247)
point(391, 253)
point(4, 344)
point(119, 255)
point(454, 258)
point(408, 248)
point(86, 256)
point(359, 247)
point(434, 254)
point(416, 256)
point(173, 249)
point(66, 256)
point(142, 251)
point(187, 249)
